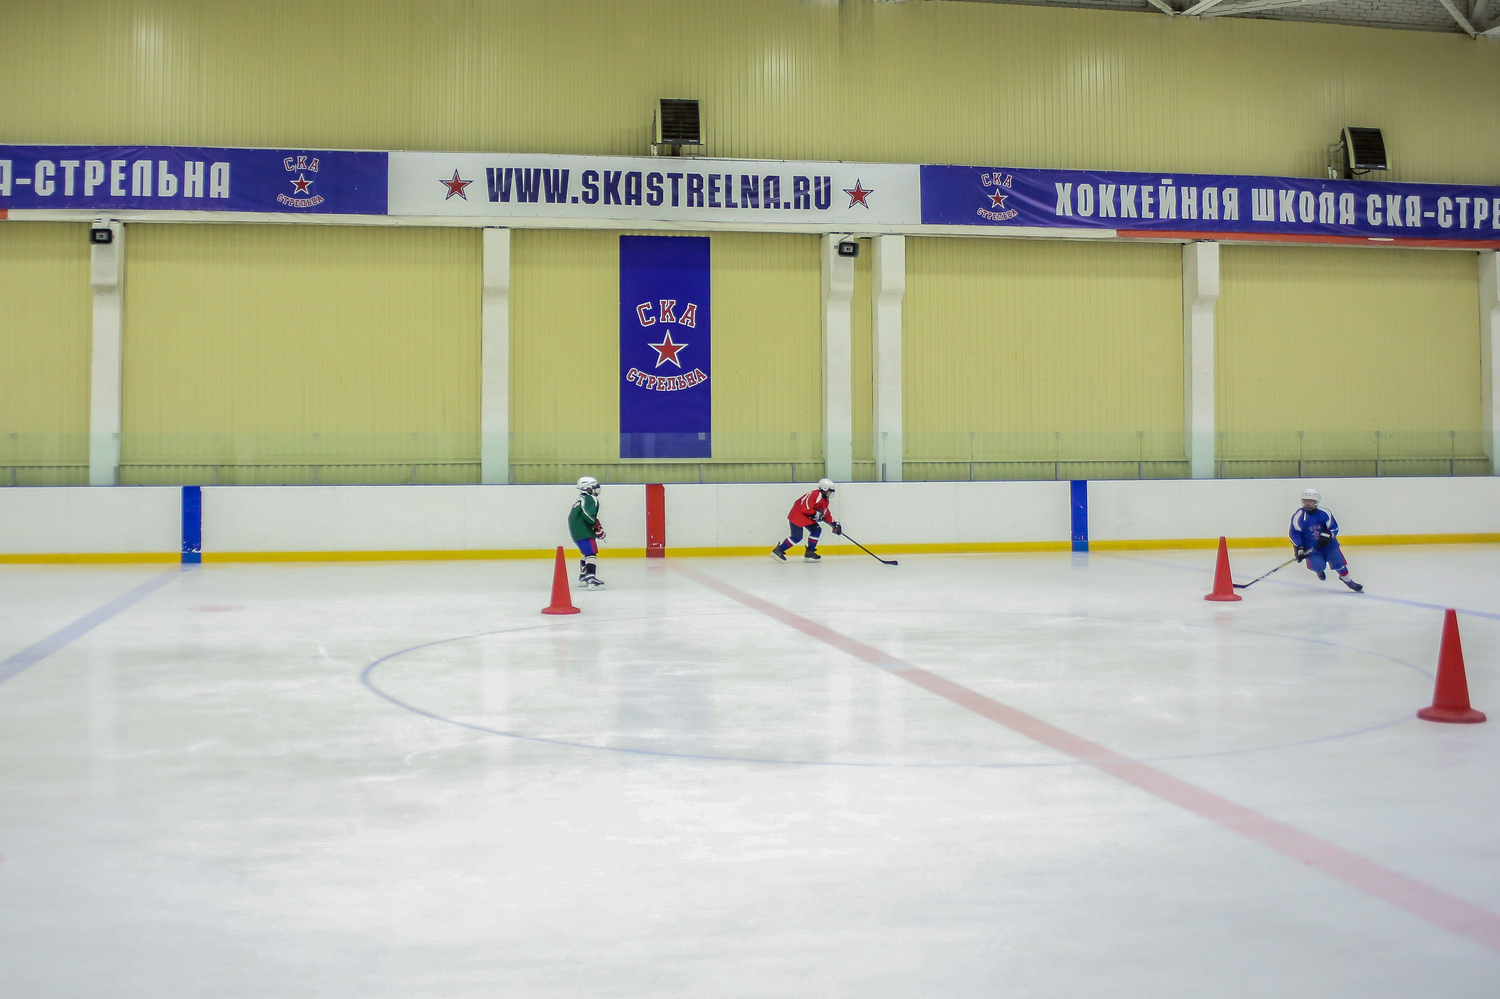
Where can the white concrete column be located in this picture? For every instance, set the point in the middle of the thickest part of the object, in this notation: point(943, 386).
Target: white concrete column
point(887, 289)
point(1489, 360)
point(1200, 293)
point(838, 362)
point(494, 352)
point(107, 277)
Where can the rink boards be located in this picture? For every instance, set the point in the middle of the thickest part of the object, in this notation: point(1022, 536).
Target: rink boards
point(277, 523)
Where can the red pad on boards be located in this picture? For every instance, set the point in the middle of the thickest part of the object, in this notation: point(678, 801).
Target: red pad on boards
point(656, 521)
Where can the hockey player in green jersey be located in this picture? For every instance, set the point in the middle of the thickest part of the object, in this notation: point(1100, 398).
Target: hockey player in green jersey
point(587, 531)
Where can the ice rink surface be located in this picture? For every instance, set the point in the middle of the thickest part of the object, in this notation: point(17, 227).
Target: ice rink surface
point(728, 777)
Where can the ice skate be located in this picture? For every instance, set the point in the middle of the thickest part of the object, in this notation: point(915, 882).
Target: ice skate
point(587, 579)
point(778, 555)
point(1356, 587)
point(812, 557)
point(1322, 574)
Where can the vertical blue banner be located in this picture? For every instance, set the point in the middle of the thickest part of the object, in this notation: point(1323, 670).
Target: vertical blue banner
point(666, 405)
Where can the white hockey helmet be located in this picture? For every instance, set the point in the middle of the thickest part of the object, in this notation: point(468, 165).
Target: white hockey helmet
point(588, 484)
point(1312, 494)
point(826, 485)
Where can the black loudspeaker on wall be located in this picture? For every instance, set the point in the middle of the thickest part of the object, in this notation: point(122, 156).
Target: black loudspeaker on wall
point(1363, 150)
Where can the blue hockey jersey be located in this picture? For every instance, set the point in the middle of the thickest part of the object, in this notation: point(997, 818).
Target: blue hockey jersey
point(1308, 524)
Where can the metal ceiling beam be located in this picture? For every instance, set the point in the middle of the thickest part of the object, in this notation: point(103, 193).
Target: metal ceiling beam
point(1463, 22)
point(1247, 8)
point(1159, 5)
point(1200, 7)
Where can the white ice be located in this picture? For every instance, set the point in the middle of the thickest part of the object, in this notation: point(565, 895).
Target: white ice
point(202, 796)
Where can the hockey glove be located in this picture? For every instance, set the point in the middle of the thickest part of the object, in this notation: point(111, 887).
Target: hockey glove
point(599, 530)
point(1299, 553)
point(837, 527)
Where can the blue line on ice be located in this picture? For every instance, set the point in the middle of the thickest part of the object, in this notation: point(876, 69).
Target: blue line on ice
point(35, 653)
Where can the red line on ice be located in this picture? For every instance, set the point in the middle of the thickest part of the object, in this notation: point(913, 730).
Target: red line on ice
point(1418, 898)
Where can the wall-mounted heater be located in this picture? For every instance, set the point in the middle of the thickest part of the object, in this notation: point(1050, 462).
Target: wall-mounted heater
point(674, 125)
point(1358, 151)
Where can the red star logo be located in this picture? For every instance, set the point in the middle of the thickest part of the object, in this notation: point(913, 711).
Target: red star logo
point(301, 183)
point(858, 195)
point(997, 200)
point(455, 186)
point(667, 350)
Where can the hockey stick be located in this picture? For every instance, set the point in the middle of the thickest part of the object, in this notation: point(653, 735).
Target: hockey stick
point(1241, 586)
point(882, 561)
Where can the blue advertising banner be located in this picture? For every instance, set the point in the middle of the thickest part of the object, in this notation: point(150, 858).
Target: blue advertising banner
point(830, 197)
point(185, 178)
point(1272, 207)
point(666, 405)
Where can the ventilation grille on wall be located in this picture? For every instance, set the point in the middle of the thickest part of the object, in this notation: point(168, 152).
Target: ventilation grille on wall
point(677, 123)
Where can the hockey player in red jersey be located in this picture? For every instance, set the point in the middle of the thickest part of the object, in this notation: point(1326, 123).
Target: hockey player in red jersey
point(809, 514)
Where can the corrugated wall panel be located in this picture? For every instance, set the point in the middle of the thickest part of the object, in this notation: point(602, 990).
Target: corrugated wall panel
point(768, 349)
point(778, 78)
point(1320, 348)
point(1026, 353)
point(303, 346)
point(564, 352)
point(565, 355)
point(45, 335)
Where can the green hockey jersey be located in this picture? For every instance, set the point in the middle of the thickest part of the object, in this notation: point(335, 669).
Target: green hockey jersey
point(583, 517)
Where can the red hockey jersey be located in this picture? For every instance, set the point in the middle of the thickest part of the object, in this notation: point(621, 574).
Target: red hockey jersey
point(810, 508)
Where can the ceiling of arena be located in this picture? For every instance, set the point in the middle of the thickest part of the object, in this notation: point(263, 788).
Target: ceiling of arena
point(1479, 18)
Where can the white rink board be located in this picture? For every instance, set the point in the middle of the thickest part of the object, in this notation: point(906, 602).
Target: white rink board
point(732, 516)
point(408, 518)
point(77, 519)
point(1131, 510)
point(85, 520)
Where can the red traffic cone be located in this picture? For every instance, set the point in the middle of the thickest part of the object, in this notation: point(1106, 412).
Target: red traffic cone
point(1223, 582)
point(561, 602)
point(1450, 695)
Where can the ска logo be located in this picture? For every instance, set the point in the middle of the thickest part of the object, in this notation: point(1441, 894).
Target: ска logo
point(302, 195)
point(996, 211)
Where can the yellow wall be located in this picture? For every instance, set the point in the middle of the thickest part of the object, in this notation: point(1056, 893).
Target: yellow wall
point(986, 84)
point(564, 335)
point(300, 351)
point(265, 336)
point(565, 331)
point(768, 354)
point(45, 323)
point(1339, 343)
point(1043, 351)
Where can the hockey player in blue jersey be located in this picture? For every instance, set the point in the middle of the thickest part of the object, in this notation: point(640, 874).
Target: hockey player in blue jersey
point(1315, 537)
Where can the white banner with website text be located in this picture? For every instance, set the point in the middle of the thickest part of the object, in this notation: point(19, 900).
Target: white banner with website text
point(685, 189)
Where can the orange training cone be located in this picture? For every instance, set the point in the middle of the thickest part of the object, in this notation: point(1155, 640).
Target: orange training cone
point(561, 602)
point(1450, 696)
point(1223, 582)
